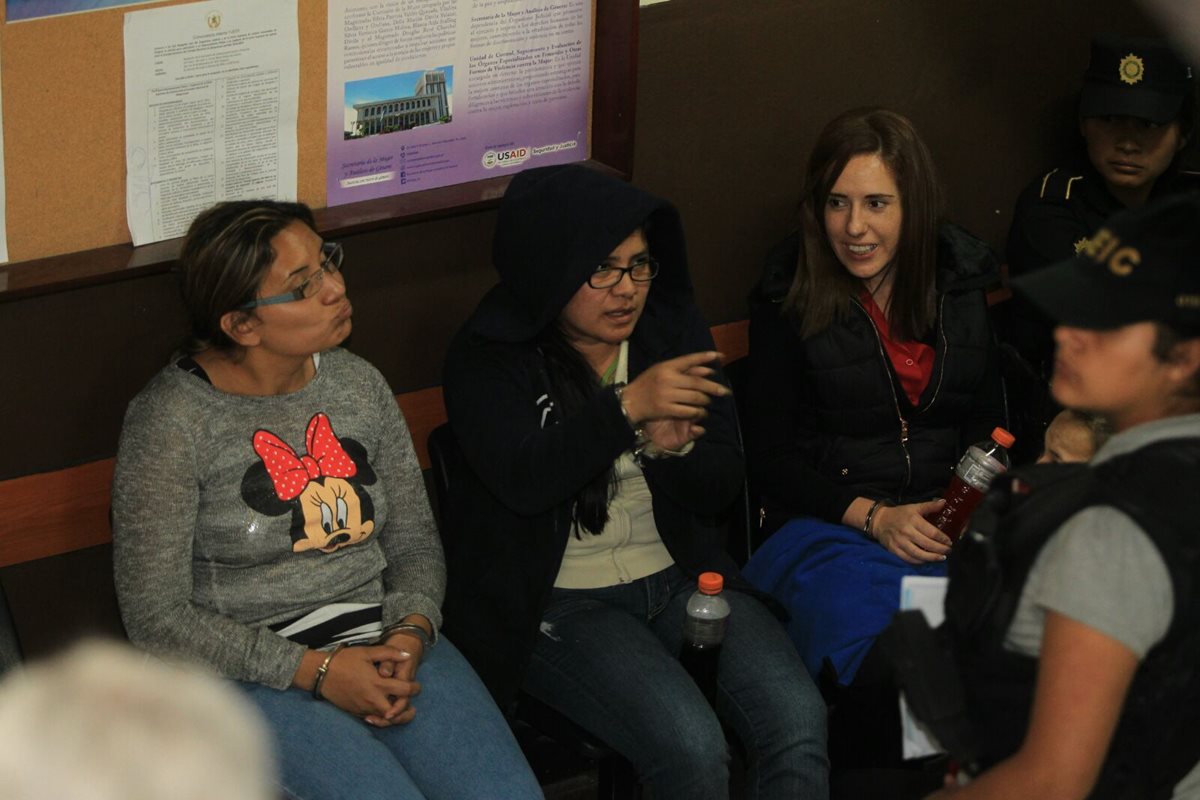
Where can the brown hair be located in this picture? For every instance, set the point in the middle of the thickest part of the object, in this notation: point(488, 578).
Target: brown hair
point(822, 289)
point(224, 257)
point(1166, 339)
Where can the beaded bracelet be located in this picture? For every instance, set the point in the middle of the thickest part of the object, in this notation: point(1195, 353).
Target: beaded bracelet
point(323, 670)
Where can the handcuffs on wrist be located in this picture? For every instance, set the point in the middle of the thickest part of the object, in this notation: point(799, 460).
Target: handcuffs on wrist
point(416, 630)
point(323, 670)
point(639, 432)
point(871, 516)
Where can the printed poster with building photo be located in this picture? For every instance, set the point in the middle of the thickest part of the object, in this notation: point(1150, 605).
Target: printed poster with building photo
point(16, 10)
point(429, 93)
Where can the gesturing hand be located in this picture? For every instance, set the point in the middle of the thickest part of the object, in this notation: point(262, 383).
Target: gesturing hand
point(676, 389)
point(904, 531)
point(354, 683)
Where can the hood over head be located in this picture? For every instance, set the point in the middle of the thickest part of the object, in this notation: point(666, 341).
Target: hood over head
point(556, 225)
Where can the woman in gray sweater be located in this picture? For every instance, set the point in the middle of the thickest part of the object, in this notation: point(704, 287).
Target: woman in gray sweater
point(270, 520)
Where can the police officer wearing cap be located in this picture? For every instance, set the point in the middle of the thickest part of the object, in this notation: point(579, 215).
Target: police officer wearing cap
point(1074, 602)
point(1135, 116)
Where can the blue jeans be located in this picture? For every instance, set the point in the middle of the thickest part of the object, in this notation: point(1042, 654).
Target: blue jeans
point(458, 745)
point(606, 658)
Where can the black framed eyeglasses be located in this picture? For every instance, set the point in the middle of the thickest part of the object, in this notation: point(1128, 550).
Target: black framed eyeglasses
point(641, 270)
point(331, 262)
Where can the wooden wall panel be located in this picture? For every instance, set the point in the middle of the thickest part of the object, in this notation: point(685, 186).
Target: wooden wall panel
point(731, 97)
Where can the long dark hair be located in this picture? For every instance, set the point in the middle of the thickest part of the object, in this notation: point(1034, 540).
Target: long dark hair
point(572, 383)
point(822, 289)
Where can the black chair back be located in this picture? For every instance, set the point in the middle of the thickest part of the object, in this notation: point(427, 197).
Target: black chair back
point(745, 519)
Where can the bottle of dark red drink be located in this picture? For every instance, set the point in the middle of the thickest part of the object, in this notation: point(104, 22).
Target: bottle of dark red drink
point(979, 465)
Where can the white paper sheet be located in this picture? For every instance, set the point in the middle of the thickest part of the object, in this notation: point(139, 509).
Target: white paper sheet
point(211, 95)
point(928, 595)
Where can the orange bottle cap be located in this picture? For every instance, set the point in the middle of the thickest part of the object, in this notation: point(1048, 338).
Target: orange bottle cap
point(711, 582)
point(1003, 437)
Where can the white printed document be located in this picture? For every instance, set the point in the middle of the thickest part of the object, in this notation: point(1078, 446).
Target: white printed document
point(430, 93)
point(211, 95)
point(929, 596)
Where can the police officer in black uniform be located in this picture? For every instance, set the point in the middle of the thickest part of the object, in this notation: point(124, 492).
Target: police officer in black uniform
point(1135, 116)
point(1073, 607)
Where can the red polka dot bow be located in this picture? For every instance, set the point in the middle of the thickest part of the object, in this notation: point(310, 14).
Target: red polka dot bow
point(291, 473)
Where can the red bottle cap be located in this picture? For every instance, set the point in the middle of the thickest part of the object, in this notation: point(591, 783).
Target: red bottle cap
point(711, 582)
point(1003, 437)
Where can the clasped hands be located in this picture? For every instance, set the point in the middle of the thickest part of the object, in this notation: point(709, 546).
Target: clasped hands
point(376, 683)
point(669, 400)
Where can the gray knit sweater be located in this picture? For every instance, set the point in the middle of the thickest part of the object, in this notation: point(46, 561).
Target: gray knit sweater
point(233, 513)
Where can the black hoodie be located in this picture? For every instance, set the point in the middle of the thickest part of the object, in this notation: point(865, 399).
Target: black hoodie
point(555, 226)
point(528, 460)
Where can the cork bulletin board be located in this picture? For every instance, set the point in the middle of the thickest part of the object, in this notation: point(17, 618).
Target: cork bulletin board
point(64, 127)
point(64, 143)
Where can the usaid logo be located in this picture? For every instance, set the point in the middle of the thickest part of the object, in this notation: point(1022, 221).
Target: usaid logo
point(505, 158)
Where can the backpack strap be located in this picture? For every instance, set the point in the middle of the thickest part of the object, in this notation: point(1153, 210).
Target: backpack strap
point(1016, 517)
point(989, 564)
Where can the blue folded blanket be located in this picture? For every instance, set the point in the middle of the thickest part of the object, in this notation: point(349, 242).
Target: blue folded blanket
point(841, 588)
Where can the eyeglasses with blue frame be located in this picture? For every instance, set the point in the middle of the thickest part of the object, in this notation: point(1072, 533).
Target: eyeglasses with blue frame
point(331, 262)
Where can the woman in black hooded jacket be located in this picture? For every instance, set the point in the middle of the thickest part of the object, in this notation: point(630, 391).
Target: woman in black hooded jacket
point(584, 395)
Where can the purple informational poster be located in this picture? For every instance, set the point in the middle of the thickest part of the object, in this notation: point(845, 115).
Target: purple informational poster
point(16, 10)
point(429, 93)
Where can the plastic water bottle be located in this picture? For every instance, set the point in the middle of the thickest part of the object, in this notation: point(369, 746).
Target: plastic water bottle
point(975, 471)
point(704, 631)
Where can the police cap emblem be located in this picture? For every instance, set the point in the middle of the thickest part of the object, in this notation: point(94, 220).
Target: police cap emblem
point(1131, 69)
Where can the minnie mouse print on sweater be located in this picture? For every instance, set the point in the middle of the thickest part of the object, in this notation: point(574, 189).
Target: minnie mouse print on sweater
point(323, 488)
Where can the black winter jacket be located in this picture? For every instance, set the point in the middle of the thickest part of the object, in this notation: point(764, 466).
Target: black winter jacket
point(527, 458)
point(827, 419)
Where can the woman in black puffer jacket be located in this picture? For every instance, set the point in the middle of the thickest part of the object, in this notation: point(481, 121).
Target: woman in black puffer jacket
point(873, 367)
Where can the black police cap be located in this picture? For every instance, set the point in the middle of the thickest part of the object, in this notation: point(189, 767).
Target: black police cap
point(1143, 265)
point(1129, 77)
